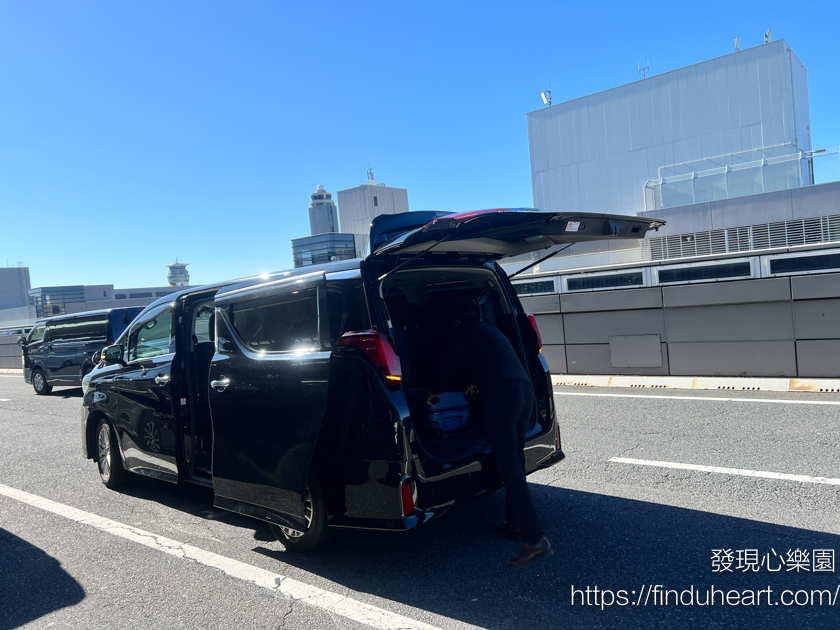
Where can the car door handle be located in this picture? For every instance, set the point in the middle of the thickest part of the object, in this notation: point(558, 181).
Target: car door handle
point(220, 385)
point(162, 379)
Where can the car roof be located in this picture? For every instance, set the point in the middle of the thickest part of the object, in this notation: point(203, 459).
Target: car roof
point(101, 311)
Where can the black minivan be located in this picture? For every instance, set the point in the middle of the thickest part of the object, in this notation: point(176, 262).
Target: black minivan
point(299, 396)
point(60, 350)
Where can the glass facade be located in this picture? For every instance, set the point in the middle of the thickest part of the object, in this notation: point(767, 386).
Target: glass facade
point(49, 301)
point(322, 248)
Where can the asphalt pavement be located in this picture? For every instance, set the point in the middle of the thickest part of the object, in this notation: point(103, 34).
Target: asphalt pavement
point(156, 555)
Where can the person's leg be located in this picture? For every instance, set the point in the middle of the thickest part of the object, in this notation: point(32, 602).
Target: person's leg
point(506, 406)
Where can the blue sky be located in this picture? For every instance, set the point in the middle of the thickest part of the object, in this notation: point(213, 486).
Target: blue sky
point(135, 132)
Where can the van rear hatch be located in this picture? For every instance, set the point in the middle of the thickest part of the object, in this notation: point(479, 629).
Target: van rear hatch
point(486, 235)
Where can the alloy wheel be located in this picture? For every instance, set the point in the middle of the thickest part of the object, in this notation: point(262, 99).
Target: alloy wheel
point(307, 514)
point(38, 380)
point(104, 443)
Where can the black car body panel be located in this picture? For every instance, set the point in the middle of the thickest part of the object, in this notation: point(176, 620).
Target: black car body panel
point(315, 373)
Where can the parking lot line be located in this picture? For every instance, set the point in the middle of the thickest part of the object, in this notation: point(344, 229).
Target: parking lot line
point(729, 471)
point(312, 595)
point(708, 398)
point(5, 399)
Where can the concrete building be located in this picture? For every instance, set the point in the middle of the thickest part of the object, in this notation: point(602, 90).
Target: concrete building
point(14, 284)
point(596, 153)
point(323, 213)
point(357, 207)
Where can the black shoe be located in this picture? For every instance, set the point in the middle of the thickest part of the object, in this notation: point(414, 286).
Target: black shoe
point(529, 553)
point(507, 530)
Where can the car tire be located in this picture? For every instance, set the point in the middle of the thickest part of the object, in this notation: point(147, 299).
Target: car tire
point(317, 533)
point(109, 460)
point(39, 382)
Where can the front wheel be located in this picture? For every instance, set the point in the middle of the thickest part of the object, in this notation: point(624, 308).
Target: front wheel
point(39, 383)
point(111, 469)
point(317, 532)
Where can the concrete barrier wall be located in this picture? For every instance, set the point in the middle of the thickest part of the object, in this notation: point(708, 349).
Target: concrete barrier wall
point(786, 327)
point(11, 356)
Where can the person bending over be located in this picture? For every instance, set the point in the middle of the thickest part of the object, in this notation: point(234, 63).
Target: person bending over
point(494, 369)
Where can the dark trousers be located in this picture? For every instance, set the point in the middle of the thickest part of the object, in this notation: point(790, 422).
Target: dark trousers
point(510, 407)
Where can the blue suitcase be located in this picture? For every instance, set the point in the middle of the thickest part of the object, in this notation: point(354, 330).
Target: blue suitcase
point(451, 413)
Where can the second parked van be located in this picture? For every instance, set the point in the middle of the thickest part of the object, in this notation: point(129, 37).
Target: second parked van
point(60, 350)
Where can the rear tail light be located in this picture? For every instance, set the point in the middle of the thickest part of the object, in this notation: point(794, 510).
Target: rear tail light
point(378, 349)
point(407, 499)
point(533, 321)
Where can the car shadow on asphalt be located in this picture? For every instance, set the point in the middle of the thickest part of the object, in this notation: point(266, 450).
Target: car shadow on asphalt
point(32, 583)
point(456, 567)
point(67, 392)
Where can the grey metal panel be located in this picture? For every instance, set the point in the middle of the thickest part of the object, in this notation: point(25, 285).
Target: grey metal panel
point(595, 359)
point(741, 322)
point(551, 329)
point(11, 363)
point(541, 304)
point(817, 286)
point(555, 356)
point(599, 327)
point(635, 351)
point(746, 358)
point(751, 210)
point(818, 358)
point(815, 201)
point(817, 319)
point(622, 299)
point(7, 350)
point(738, 292)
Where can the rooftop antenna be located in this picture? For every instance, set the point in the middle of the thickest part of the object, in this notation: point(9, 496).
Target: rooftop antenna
point(645, 70)
point(546, 96)
point(767, 36)
point(738, 43)
point(370, 173)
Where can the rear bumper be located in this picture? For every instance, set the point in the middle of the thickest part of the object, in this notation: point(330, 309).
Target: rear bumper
point(551, 460)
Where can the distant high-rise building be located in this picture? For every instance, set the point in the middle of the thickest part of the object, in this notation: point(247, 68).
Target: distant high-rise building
point(359, 205)
point(178, 275)
point(323, 214)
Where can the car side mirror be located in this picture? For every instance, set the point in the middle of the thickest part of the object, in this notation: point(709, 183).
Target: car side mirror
point(22, 342)
point(113, 355)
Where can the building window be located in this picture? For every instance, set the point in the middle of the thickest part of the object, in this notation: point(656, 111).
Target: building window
point(119, 296)
point(375, 201)
point(162, 293)
point(139, 295)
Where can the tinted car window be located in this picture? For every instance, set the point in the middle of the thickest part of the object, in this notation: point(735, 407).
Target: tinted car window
point(120, 320)
point(37, 334)
point(202, 323)
point(92, 327)
point(278, 323)
point(347, 307)
point(151, 338)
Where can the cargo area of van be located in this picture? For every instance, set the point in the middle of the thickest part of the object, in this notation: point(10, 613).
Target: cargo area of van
point(420, 305)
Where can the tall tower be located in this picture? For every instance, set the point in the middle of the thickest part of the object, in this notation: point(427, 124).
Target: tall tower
point(323, 214)
point(178, 275)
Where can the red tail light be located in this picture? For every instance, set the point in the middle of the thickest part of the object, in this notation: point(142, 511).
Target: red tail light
point(533, 321)
point(407, 499)
point(379, 350)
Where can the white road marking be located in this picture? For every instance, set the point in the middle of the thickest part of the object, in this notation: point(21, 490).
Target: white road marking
point(311, 595)
point(729, 471)
point(12, 375)
point(750, 400)
point(5, 399)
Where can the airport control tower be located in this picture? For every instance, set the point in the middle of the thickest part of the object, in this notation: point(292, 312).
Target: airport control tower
point(178, 275)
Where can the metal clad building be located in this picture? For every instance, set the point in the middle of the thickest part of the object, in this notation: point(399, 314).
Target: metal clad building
point(595, 154)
